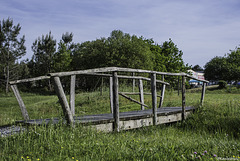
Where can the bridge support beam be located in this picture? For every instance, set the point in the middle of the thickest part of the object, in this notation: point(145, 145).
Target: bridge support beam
point(115, 102)
point(154, 97)
point(63, 101)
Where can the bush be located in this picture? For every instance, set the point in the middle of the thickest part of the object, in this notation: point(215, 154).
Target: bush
point(222, 84)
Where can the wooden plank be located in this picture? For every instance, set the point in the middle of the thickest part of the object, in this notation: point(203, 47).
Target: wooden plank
point(203, 93)
point(63, 101)
point(96, 70)
point(178, 87)
point(183, 97)
point(154, 98)
point(124, 116)
point(29, 79)
point(133, 100)
point(111, 93)
point(162, 93)
point(20, 102)
point(133, 85)
point(141, 94)
point(115, 103)
point(137, 93)
point(112, 69)
point(72, 94)
point(143, 78)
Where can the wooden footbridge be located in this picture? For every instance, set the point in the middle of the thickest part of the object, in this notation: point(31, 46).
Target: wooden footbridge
point(116, 120)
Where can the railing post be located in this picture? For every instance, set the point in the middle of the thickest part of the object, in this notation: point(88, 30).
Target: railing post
point(141, 93)
point(203, 93)
point(154, 97)
point(133, 85)
point(20, 102)
point(111, 93)
point(72, 94)
point(183, 97)
point(115, 103)
point(162, 93)
point(63, 101)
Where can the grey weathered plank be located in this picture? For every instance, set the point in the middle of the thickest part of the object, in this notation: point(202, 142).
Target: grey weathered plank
point(162, 93)
point(63, 101)
point(20, 102)
point(115, 103)
point(141, 94)
point(154, 98)
point(29, 79)
point(133, 100)
point(111, 93)
point(203, 93)
point(183, 97)
point(72, 94)
point(105, 118)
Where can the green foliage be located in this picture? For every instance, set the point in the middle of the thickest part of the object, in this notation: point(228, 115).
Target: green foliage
point(63, 57)
point(120, 49)
point(43, 51)
point(197, 68)
point(11, 49)
point(222, 84)
point(224, 68)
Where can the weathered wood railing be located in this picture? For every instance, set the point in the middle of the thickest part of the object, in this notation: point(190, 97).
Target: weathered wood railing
point(69, 108)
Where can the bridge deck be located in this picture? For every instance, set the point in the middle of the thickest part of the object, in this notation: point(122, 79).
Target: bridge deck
point(129, 120)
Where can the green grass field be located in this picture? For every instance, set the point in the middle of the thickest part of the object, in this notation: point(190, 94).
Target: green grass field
point(211, 133)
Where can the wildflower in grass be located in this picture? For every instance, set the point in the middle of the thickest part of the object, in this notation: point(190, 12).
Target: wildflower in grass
point(195, 152)
point(38, 159)
point(72, 157)
point(214, 155)
point(205, 151)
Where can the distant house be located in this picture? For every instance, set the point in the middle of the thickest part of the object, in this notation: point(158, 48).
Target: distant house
point(197, 75)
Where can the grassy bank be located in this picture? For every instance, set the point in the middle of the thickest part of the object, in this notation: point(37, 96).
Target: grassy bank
point(212, 132)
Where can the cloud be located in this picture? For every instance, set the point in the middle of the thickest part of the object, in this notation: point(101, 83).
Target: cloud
point(201, 29)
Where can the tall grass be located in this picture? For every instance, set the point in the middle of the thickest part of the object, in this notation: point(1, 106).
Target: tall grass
point(211, 133)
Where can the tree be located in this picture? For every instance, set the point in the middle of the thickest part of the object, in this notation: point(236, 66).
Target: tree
point(11, 48)
point(224, 68)
point(62, 58)
point(216, 69)
point(197, 68)
point(233, 60)
point(43, 49)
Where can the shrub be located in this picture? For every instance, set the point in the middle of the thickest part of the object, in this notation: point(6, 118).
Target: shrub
point(222, 84)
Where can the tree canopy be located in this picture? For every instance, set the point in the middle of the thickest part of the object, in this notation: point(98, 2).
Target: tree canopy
point(12, 48)
point(224, 68)
point(119, 49)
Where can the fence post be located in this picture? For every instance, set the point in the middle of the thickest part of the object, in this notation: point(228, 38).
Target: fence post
point(20, 102)
point(203, 93)
point(63, 101)
point(141, 93)
point(162, 93)
point(115, 103)
point(111, 93)
point(183, 97)
point(133, 85)
point(154, 97)
point(72, 94)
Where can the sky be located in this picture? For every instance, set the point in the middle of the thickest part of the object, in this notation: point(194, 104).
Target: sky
point(202, 29)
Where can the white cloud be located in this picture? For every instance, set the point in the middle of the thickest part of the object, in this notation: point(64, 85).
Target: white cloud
point(201, 29)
